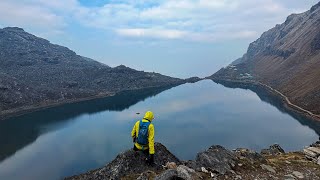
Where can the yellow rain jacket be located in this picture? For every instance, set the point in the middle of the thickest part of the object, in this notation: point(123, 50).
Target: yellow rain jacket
point(135, 131)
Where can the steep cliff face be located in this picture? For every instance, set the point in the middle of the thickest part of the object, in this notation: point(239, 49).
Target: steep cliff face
point(34, 72)
point(287, 58)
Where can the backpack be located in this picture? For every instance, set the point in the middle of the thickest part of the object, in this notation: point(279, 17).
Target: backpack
point(143, 133)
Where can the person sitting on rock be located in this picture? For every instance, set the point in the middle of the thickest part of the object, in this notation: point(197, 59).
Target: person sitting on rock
point(143, 136)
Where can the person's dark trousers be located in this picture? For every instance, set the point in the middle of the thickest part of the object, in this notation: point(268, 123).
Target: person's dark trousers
point(150, 157)
point(146, 151)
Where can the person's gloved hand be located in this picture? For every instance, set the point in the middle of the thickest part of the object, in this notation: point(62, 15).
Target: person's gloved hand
point(150, 159)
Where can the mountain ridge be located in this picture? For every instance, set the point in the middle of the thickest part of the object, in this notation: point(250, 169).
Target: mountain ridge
point(286, 58)
point(35, 73)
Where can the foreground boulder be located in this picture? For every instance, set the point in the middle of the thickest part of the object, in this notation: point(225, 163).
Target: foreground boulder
point(216, 158)
point(130, 162)
point(181, 172)
point(313, 152)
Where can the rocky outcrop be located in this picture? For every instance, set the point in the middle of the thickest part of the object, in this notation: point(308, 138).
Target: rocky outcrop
point(35, 73)
point(249, 155)
point(216, 158)
point(273, 150)
point(215, 162)
point(285, 58)
point(313, 152)
point(130, 162)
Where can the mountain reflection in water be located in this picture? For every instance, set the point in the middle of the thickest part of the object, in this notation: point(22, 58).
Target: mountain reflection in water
point(28, 127)
point(74, 138)
point(274, 101)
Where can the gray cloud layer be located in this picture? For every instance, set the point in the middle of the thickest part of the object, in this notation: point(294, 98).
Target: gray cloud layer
point(191, 20)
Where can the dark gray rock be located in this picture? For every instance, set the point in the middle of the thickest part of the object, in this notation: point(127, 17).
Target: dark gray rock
point(192, 164)
point(147, 175)
point(315, 44)
point(250, 155)
point(187, 173)
point(316, 144)
point(182, 172)
point(315, 7)
point(269, 51)
point(216, 159)
point(268, 168)
point(130, 162)
point(273, 150)
point(170, 174)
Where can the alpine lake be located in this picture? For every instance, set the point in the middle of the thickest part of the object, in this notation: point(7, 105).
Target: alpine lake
point(74, 138)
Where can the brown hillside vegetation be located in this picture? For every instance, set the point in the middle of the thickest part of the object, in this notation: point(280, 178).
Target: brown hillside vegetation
point(287, 58)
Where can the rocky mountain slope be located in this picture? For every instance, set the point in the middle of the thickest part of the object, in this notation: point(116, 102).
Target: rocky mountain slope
point(286, 58)
point(213, 163)
point(35, 73)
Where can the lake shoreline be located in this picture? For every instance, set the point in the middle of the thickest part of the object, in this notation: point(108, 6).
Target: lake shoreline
point(236, 84)
point(34, 108)
point(38, 107)
point(287, 104)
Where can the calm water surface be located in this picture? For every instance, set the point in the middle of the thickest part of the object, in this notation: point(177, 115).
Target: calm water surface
point(71, 139)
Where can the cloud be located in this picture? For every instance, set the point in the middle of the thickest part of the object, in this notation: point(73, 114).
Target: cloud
point(25, 14)
point(152, 33)
point(184, 35)
point(188, 20)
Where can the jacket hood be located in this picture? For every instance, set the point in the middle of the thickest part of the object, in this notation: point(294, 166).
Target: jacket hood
point(149, 116)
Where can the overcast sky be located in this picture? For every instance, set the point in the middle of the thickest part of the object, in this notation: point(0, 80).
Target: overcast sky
point(180, 38)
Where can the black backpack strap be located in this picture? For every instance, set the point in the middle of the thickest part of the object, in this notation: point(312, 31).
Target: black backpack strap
point(147, 119)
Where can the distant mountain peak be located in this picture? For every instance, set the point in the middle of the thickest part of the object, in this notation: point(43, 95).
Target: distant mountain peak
point(35, 72)
point(14, 29)
point(315, 7)
point(121, 67)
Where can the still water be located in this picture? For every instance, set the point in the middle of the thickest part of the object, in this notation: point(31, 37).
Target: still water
point(75, 138)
